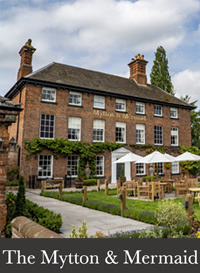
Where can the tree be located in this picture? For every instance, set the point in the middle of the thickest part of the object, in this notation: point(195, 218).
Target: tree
point(21, 209)
point(195, 121)
point(159, 73)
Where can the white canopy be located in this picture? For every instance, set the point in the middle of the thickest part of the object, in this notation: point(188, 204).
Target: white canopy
point(187, 156)
point(130, 157)
point(156, 157)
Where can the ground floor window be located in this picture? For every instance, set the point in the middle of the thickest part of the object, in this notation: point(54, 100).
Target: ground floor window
point(99, 165)
point(175, 167)
point(45, 166)
point(72, 165)
point(140, 169)
point(160, 168)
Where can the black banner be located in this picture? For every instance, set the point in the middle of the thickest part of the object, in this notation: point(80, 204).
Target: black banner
point(99, 255)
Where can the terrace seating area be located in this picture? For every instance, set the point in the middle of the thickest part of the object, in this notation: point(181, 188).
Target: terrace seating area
point(159, 188)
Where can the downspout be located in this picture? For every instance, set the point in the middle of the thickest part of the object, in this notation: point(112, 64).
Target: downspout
point(17, 134)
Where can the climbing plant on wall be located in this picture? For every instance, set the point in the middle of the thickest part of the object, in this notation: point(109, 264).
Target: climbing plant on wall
point(58, 146)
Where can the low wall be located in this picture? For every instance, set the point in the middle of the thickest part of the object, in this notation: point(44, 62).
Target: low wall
point(23, 227)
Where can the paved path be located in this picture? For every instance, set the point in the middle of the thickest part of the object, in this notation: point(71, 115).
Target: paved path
point(75, 215)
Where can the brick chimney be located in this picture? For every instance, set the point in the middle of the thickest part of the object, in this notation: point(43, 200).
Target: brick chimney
point(26, 53)
point(138, 69)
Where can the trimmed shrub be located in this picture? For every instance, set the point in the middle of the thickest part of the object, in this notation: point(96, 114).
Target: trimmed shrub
point(90, 182)
point(12, 183)
point(21, 209)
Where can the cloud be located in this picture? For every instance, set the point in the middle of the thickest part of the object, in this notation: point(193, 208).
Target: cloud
point(187, 82)
point(91, 33)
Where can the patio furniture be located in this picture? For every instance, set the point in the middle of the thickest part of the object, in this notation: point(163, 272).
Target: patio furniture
point(52, 183)
point(196, 192)
point(192, 182)
point(130, 186)
point(142, 191)
point(158, 190)
point(181, 189)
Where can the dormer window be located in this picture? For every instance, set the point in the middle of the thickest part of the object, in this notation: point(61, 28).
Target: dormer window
point(48, 94)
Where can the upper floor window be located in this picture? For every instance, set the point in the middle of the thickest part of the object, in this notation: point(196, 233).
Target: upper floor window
point(47, 126)
point(72, 165)
point(98, 130)
point(99, 102)
point(120, 134)
point(99, 165)
point(74, 129)
point(140, 134)
point(45, 166)
point(158, 110)
point(158, 135)
point(174, 136)
point(140, 108)
point(173, 113)
point(120, 105)
point(75, 98)
point(48, 94)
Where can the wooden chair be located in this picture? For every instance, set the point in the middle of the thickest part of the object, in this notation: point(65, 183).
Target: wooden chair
point(157, 190)
point(192, 182)
point(142, 191)
point(168, 185)
point(130, 186)
point(181, 189)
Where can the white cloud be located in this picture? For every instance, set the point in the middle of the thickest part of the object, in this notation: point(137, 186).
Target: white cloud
point(85, 32)
point(187, 82)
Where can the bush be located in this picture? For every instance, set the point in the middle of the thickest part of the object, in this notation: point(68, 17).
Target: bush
point(90, 182)
point(148, 178)
point(21, 209)
point(82, 232)
point(12, 173)
point(173, 215)
point(12, 183)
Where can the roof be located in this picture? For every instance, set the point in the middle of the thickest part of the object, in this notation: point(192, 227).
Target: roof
point(5, 103)
point(62, 75)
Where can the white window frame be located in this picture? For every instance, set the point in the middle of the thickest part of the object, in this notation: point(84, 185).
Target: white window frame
point(174, 133)
point(160, 166)
point(98, 124)
point(173, 110)
point(175, 168)
point(74, 123)
point(46, 125)
point(157, 108)
point(102, 167)
point(120, 105)
point(75, 171)
point(99, 102)
point(143, 165)
point(121, 125)
point(141, 129)
point(41, 158)
point(140, 108)
point(78, 96)
point(156, 136)
point(48, 94)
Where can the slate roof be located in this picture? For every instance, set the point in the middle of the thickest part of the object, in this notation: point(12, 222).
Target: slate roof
point(102, 83)
point(8, 104)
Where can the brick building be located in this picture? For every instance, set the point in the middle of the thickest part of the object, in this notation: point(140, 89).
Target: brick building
point(62, 101)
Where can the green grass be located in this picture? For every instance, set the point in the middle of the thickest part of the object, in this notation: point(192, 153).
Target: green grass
point(141, 210)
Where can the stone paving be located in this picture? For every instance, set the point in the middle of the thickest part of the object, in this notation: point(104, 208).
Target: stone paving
point(75, 215)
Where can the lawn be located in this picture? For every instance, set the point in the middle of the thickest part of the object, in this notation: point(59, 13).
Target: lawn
point(141, 210)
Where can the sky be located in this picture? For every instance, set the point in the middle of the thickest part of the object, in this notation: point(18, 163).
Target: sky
point(103, 35)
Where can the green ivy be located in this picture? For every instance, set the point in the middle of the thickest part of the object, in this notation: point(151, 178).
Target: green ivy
point(192, 166)
point(64, 147)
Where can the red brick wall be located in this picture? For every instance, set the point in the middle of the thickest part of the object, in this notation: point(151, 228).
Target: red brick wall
point(30, 123)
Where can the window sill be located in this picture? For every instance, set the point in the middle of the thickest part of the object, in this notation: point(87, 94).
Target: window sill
point(140, 175)
point(104, 109)
point(74, 105)
point(158, 116)
point(141, 114)
point(51, 102)
point(174, 118)
point(118, 111)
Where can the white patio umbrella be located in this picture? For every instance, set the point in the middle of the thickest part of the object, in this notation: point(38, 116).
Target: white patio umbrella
point(130, 157)
point(156, 157)
point(187, 156)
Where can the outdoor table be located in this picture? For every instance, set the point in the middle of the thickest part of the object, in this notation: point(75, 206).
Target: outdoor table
point(163, 184)
point(194, 191)
point(168, 181)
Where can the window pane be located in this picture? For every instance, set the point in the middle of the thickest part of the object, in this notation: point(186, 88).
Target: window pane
point(120, 134)
point(98, 130)
point(99, 165)
point(157, 110)
point(120, 105)
point(74, 128)
point(48, 94)
point(99, 102)
point(140, 134)
point(75, 98)
point(140, 168)
point(158, 135)
point(72, 165)
point(174, 136)
point(45, 163)
point(47, 131)
point(140, 108)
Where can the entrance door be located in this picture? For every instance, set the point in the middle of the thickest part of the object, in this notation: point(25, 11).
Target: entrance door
point(119, 169)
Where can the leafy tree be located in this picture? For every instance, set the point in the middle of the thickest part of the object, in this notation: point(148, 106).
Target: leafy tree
point(159, 73)
point(195, 121)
